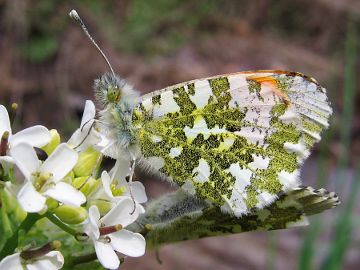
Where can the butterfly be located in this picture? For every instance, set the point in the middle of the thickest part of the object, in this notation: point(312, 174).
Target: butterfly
point(236, 140)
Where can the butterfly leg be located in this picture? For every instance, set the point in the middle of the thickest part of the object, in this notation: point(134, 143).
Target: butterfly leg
point(88, 133)
point(132, 170)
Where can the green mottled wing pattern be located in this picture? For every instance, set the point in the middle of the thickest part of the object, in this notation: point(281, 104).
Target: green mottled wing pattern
point(235, 140)
point(177, 216)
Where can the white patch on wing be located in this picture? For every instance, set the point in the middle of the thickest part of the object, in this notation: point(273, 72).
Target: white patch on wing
point(156, 162)
point(200, 127)
point(314, 135)
point(238, 87)
point(251, 115)
point(259, 162)
point(175, 152)
point(234, 206)
point(264, 117)
point(202, 93)
point(252, 136)
point(156, 138)
point(168, 105)
point(310, 101)
point(290, 116)
point(264, 199)
point(299, 149)
point(242, 177)
point(147, 103)
point(202, 171)
point(227, 143)
point(288, 180)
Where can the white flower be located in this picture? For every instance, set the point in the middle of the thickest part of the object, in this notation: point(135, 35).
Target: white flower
point(36, 136)
point(86, 135)
point(115, 187)
point(44, 179)
point(123, 241)
point(51, 261)
point(117, 178)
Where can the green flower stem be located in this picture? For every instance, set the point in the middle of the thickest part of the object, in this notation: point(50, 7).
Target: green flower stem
point(25, 226)
point(60, 224)
point(75, 260)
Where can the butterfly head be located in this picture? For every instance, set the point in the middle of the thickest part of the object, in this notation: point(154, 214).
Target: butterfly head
point(110, 89)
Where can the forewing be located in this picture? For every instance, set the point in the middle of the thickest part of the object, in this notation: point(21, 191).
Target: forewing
point(237, 140)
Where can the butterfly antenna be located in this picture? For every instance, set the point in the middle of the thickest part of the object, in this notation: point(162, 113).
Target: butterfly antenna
point(73, 14)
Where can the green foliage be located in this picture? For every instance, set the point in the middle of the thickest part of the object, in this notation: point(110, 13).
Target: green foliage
point(344, 223)
point(40, 48)
point(343, 229)
point(161, 25)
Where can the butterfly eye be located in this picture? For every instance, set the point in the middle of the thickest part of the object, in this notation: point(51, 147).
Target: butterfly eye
point(113, 94)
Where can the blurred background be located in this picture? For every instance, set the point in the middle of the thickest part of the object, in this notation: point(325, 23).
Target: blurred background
point(47, 66)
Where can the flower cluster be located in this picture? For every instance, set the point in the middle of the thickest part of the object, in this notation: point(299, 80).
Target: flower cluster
point(52, 185)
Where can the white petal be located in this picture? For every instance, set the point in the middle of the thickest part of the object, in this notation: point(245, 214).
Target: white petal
point(138, 190)
point(11, 262)
point(6, 162)
point(121, 213)
point(128, 243)
point(56, 258)
point(106, 255)
point(25, 159)
point(91, 228)
point(36, 136)
point(121, 169)
point(60, 162)
point(4, 121)
point(81, 140)
point(31, 200)
point(52, 261)
point(66, 194)
point(88, 115)
point(75, 138)
point(106, 182)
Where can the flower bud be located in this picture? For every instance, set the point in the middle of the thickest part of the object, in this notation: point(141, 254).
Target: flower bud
point(103, 206)
point(11, 205)
point(85, 184)
point(8, 200)
point(51, 203)
point(4, 140)
point(86, 162)
point(70, 214)
point(54, 142)
point(20, 214)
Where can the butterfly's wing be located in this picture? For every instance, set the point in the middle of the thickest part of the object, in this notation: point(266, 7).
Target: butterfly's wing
point(177, 217)
point(237, 140)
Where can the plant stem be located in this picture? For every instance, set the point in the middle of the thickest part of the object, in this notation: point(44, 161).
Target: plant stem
point(13, 241)
point(60, 224)
point(75, 260)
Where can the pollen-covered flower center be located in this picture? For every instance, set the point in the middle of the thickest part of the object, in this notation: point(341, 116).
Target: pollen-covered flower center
point(117, 191)
point(113, 94)
point(41, 179)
